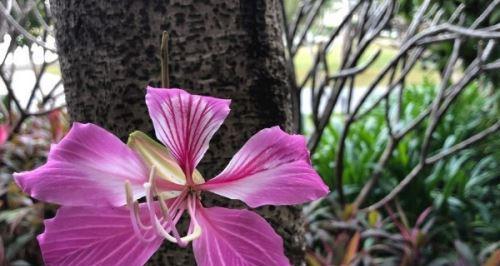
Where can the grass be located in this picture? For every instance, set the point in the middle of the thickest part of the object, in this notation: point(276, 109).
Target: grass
point(305, 57)
point(54, 69)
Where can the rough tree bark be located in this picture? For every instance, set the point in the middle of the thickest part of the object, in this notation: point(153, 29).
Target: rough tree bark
point(109, 52)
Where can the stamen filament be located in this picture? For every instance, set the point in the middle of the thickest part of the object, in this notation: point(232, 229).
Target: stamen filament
point(163, 206)
point(172, 226)
point(178, 200)
point(192, 213)
point(152, 215)
point(173, 216)
point(172, 220)
point(159, 227)
point(170, 216)
point(133, 207)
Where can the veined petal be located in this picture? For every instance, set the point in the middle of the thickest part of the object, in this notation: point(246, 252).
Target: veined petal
point(87, 168)
point(273, 167)
point(96, 236)
point(185, 123)
point(236, 237)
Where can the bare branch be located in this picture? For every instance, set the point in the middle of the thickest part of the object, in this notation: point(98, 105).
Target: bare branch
point(11, 93)
point(21, 30)
point(46, 112)
point(491, 66)
point(296, 21)
point(309, 22)
point(355, 70)
point(331, 38)
point(435, 106)
point(456, 13)
point(470, 32)
point(331, 102)
point(417, 169)
point(464, 144)
point(39, 17)
point(417, 19)
point(487, 11)
point(362, 25)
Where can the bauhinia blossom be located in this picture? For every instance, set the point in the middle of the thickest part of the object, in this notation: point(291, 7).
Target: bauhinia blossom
point(98, 181)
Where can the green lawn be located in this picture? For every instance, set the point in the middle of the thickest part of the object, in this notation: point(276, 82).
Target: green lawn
point(305, 56)
point(54, 69)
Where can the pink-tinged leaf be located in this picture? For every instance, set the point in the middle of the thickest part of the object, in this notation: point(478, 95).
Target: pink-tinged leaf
point(405, 231)
point(494, 258)
point(185, 123)
point(56, 124)
point(87, 168)
point(273, 167)
point(4, 133)
point(236, 237)
point(421, 218)
point(352, 249)
point(96, 236)
point(2, 251)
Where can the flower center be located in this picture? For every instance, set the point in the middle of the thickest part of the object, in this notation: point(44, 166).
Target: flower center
point(164, 212)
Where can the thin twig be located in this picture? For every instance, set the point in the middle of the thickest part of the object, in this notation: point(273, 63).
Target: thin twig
point(487, 11)
point(357, 69)
point(464, 144)
point(331, 39)
point(296, 21)
point(315, 10)
point(21, 30)
point(417, 169)
point(435, 106)
point(46, 112)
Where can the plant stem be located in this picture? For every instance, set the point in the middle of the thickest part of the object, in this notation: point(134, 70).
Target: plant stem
point(165, 80)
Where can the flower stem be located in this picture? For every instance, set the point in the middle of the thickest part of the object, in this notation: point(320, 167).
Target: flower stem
point(165, 80)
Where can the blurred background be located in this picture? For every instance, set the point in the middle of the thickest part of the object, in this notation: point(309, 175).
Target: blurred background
point(399, 101)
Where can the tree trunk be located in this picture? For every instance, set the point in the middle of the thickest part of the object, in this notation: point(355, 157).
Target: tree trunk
point(109, 52)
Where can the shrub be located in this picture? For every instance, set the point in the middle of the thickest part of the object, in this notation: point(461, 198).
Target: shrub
point(463, 190)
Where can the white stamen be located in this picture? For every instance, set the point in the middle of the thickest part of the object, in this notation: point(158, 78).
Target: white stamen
point(133, 207)
point(154, 220)
point(170, 216)
point(173, 228)
point(163, 206)
point(192, 211)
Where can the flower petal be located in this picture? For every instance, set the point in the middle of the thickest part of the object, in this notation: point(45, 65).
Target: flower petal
point(87, 168)
point(273, 167)
point(236, 237)
point(96, 236)
point(185, 123)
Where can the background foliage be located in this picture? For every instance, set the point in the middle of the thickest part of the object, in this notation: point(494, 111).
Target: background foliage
point(462, 190)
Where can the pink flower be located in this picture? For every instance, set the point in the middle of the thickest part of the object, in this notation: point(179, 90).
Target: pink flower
point(97, 179)
point(4, 133)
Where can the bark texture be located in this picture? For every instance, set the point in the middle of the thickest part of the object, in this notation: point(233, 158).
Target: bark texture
point(109, 52)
